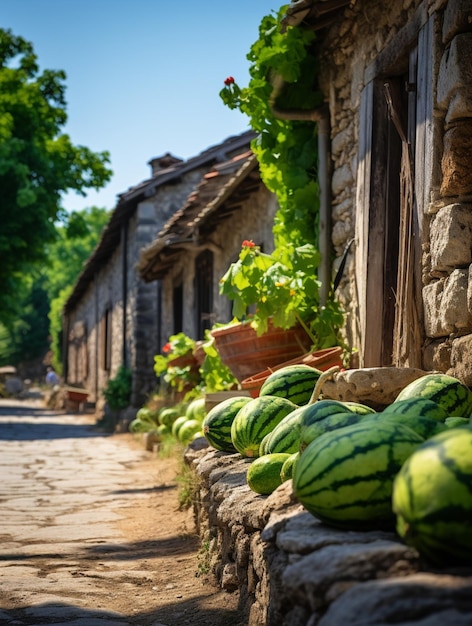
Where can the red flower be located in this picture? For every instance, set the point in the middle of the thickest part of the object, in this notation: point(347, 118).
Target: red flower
point(248, 243)
point(229, 81)
point(166, 347)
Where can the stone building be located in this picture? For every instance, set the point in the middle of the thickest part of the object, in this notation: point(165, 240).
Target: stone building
point(195, 247)
point(397, 82)
point(112, 316)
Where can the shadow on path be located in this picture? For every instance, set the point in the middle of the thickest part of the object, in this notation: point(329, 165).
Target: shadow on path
point(181, 613)
point(26, 422)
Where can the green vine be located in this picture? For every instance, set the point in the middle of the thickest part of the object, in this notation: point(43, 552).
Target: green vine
point(283, 77)
point(285, 149)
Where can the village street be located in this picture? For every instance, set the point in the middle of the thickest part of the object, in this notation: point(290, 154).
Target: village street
point(91, 532)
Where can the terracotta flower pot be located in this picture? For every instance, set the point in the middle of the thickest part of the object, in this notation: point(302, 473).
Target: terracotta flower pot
point(320, 359)
point(247, 354)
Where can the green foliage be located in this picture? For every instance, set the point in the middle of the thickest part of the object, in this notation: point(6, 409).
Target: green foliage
point(118, 390)
point(283, 77)
point(178, 376)
point(177, 345)
point(215, 375)
point(75, 241)
point(44, 292)
point(284, 287)
point(286, 149)
point(38, 164)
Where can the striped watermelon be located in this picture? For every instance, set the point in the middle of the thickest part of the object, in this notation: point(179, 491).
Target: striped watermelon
point(432, 498)
point(456, 422)
point(345, 477)
point(294, 382)
point(255, 420)
point(416, 407)
point(286, 436)
point(263, 475)
point(357, 407)
point(288, 467)
point(452, 395)
point(326, 425)
point(423, 426)
point(216, 425)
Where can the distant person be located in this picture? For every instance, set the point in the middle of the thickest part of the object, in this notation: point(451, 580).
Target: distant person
point(52, 379)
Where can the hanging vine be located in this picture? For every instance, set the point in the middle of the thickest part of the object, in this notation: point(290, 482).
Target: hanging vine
point(286, 150)
point(283, 76)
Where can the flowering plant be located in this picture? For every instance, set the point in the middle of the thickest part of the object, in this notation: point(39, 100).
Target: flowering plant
point(178, 375)
point(283, 287)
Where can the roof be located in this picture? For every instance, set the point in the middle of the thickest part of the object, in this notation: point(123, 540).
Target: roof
point(314, 14)
point(128, 201)
point(218, 195)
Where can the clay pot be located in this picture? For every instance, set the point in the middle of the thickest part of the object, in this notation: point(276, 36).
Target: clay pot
point(247, 354)
point(320, 359)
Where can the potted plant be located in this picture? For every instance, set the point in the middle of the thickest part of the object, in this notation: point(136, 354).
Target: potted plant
point(284, 289)
point(178, 363)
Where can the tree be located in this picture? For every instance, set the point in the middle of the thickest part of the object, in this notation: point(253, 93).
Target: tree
point(74, 244)
point(47, 289)
point(38, 164)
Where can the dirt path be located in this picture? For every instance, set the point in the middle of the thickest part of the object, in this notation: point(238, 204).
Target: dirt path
point(91, 532)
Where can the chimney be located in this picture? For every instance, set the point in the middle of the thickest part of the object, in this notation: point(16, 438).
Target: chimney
point(162, 163)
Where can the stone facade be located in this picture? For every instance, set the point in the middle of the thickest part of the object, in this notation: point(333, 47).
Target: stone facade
point(253, 220)
point(429, 44)
point(133, 336)
point(113, 317)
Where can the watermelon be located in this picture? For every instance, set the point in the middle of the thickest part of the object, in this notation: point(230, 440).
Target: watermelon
point(196, 409)
point(263, 475)
point(177, 425)
point(286, 435)
point(332, 422)
point(168, 415)
point(357, 407)
point(456, 422)
point(294, 382)
point(417, 407)
point(216, 425)
point(188, 429)
point(256, 419)
point(345, 477)
point(425, 426)
point(452, 395)
point(432, 498)
point(288, 467)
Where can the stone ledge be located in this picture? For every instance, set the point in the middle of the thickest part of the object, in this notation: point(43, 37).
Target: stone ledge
point(292, 570)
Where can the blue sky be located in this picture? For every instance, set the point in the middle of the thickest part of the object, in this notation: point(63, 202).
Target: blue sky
point(143, 76)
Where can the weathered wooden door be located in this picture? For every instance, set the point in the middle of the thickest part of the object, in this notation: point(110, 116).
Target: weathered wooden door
point(393, 184)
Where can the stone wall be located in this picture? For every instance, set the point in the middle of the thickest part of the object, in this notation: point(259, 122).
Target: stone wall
point(253, 220)
point(447, 293)
point(349, 51)
point(292, 570)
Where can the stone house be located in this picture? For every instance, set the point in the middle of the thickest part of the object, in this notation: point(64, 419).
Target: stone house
point(397, 85)
point(112, 316)
point(196, 246)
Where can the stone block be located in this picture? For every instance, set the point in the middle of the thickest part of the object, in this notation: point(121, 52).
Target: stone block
point(455, 75)
point(445, 305)
point(342, 178)
point(376, 386)
point(437, 356)
point(455, 162)
point(437, 599)
point(451, 238)
point(457, 19)
point(461, 359)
